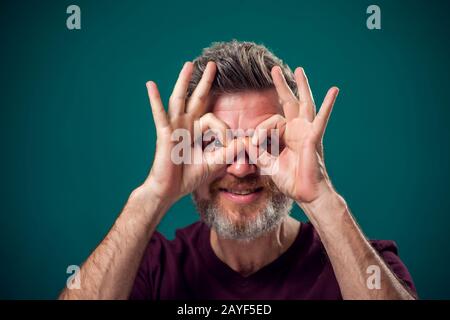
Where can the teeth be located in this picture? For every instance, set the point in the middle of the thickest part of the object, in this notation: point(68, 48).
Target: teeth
point(241, 192)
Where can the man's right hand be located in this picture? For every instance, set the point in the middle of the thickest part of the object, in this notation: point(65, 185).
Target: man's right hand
point(169, 181)
point(103, 274)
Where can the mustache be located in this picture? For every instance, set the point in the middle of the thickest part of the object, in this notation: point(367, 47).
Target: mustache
point(248, 182)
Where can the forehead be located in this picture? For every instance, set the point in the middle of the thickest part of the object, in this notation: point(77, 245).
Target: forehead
point(245, 110)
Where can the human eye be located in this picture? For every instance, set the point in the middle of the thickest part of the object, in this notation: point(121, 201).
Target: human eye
point(212, 144)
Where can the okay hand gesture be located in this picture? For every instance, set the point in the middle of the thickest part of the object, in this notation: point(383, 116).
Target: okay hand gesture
point(172, 179)
point(299, 170)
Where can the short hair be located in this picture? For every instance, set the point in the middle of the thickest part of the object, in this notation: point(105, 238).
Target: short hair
point(241, 66)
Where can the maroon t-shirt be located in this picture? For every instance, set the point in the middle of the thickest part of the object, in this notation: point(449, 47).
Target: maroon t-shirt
point(188, 268)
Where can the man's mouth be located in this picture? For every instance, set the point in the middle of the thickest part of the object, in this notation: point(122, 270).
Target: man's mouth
point(241, 195)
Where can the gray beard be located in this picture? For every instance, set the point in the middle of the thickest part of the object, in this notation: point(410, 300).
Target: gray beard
point(278, 208)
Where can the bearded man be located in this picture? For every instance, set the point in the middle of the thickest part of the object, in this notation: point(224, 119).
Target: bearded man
point(246, 245)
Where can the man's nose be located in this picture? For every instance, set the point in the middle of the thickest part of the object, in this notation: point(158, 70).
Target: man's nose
point(241, 166)
point(241, 170)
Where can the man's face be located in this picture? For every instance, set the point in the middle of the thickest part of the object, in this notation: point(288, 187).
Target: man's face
point(240, 203)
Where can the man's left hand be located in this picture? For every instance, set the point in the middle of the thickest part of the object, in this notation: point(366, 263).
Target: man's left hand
point(299, 169)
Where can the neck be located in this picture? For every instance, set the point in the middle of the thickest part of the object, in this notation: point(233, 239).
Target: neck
point(247, 257)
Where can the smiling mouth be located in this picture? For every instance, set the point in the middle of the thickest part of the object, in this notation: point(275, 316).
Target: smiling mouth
point(241, 192)
point(241, 195)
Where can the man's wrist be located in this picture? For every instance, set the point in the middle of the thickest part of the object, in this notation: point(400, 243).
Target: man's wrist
point(325, 209)
point(145, 200)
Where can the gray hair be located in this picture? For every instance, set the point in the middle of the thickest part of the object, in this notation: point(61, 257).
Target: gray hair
point(241, 66)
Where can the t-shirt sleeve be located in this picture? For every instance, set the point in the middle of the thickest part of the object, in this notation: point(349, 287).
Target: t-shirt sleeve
point(143, 287)
point(389, 252)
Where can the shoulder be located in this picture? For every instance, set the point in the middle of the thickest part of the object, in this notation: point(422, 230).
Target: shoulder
point(187, 234)
point(165, 262)
point(186, 239)
point(384, 246)
point(381, 246)
point(387, 250)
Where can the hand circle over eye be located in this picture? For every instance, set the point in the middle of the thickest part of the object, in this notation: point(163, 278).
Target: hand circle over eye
point(298, 169)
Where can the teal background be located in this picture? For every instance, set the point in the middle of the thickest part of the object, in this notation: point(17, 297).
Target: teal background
point(77, 133)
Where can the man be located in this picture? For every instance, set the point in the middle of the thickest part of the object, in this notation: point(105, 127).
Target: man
point(246, 245)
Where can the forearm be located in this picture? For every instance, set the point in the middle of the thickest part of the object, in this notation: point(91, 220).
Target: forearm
point(110, 270)
point(349, 251)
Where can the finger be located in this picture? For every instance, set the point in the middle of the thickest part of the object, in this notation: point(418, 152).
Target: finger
point(210, 121)
point(307, 108)
point(177, 100)
point(198, 101)
point(159, 114)
point(267, 163)
point(225, 155)
point(251, 150)
point(262, 131)
point(288, 99)
point(321, 120)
